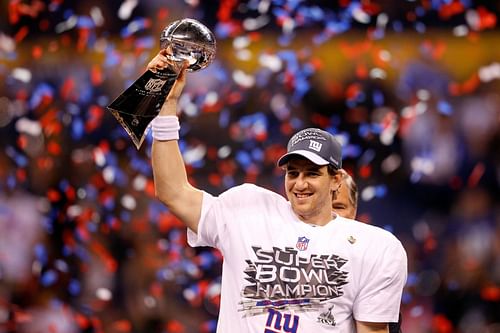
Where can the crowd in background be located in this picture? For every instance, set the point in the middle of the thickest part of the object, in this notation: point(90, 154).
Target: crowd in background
point(84, 245)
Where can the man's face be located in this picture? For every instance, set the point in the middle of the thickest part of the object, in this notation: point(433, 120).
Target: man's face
point(308, 188)
point(342, 204)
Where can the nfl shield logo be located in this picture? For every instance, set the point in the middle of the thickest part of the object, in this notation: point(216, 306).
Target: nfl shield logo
point(154, 85)
point(302, 243)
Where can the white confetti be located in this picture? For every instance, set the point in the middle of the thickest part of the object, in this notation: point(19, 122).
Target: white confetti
point(104, 294)
point(243, 79)
point(194, 154)
point(126, 9)
point(223, 152)
point(22, 74)
point(27, 126)
point(97, 17)
point(128, 202)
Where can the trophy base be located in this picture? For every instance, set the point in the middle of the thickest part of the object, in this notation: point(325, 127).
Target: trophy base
point(135, 126)
point(141, 102)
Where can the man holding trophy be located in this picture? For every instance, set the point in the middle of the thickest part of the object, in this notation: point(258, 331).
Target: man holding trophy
point(289, 266)
point(183, 40)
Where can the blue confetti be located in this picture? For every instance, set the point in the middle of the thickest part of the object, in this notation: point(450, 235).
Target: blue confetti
point(74, 287)
point(445, 108)
point(48, 278)
point(41, 253)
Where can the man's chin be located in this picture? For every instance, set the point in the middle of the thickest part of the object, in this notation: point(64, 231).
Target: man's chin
point(301, 209)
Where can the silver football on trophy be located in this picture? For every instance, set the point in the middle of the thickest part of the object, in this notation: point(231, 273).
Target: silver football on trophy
point(190, 40)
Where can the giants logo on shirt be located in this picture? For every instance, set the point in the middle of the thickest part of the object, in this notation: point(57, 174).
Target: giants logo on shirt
point(281, 279)
point(277, 323)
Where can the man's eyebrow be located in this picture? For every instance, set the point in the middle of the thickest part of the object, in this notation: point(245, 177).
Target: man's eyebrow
point(308, 168)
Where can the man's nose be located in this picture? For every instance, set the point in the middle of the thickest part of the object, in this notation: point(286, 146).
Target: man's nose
point(301, 182)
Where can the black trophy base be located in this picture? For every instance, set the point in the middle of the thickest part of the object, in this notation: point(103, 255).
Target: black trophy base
point(139, 104)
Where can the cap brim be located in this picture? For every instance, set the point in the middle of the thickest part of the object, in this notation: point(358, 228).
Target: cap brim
point(304, 153)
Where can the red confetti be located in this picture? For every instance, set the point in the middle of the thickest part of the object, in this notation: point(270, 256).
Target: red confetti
point(53, 195)
point(487, 19)
point(361, 71)
point(54, 148)
point(82, 321)
point(150, 188)
point(22, 141)
point(234, 97)
point(320, 120)
point(441, 324)
point(365, 171)
point(252, 174)
point(476, 175)
point(96, 76)
point(456, 183)
point(37, 52)
point(109, 261)
point(50, 124)
point(355, 50)
point(370, 8)
point(18, 9)
point(450, 9)
point(175, 326)
point(226, 7)
point(95, 116)
point(83, 38)
point(435, 49)
point(491, 293)
point(156, 289)
point(163, 13)
point(122, 325)
point(67, 87)
point(353, 91)
point(168, 221)
point(214, 179)
point(21, 34)
point(466, 87)
point(21, 175)
point(44, 25)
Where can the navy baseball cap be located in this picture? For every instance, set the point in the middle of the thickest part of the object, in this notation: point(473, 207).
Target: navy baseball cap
point(318, 146)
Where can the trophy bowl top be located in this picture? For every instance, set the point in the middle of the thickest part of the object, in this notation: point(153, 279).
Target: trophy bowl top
point(188, 39)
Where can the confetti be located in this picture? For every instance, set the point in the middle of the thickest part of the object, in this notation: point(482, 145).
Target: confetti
point(370, 73)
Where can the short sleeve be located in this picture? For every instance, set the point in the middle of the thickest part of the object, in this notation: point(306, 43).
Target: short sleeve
point(208, 229)
point(383, 280)
point(219, 213)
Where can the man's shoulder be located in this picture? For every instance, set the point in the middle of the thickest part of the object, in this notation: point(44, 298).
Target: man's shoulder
point(249, 192)
point(369, 231)
point(249, 188)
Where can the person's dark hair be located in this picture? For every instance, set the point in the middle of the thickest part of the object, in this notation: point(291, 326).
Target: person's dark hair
point(332, 171)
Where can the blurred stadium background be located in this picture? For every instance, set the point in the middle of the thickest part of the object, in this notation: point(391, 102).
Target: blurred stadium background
point(410, 88)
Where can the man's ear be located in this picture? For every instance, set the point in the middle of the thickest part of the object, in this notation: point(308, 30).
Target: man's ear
point(337, 182)
point(335, 193)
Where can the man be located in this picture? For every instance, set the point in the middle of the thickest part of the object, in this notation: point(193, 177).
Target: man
point(345, 199)
point(288, 265)
point(345, 203)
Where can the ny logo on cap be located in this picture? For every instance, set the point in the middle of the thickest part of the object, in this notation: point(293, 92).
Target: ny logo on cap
point(314, 145)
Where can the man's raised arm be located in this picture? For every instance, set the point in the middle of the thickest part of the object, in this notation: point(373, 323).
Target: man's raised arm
point(170, 178)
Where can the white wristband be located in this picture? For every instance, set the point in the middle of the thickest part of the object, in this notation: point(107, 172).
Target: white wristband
point(165, 128)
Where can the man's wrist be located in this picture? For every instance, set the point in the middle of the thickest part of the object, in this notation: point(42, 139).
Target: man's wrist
point(165, 127)
point(169, 108)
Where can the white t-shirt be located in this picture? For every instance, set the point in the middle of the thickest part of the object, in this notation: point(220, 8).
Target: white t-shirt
point(283, 275)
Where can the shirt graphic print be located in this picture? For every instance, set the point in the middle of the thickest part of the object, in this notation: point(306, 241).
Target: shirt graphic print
point(281, 279)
